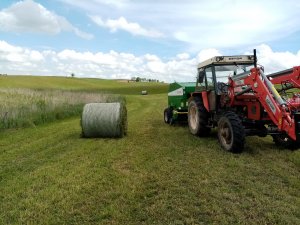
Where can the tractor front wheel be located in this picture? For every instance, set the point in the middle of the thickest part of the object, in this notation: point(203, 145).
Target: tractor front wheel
point(198, 118)
point(231, 133)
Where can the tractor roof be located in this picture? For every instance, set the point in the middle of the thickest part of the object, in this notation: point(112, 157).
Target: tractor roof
point(239, 59)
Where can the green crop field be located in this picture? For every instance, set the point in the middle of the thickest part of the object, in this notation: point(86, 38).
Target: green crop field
point(78, 84)
point(157, 174)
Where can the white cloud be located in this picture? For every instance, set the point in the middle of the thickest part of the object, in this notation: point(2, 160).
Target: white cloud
point(15, 57)
point(232, 24)
point(7, 48)
point(35, 56)
point(183, 56)
point(123, 24)
point(275, 61)
point(91, 5)
point(150, 57)
point(113, 65)
point(29, 16)
point(207, 53)
point(10, 54)
point(82, 34)
point(156, 67)
point(203, 24)
point(116, 3)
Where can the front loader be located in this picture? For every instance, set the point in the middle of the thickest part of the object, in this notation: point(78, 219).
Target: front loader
point(233, 94)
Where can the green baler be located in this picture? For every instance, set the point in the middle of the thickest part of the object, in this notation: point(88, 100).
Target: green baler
point(178, 96)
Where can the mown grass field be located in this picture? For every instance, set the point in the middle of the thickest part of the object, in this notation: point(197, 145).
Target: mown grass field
point(157, 174)
point(77, 84)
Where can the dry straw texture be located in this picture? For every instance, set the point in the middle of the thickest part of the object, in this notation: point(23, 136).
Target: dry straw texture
point(104, 120)
point(27, 107)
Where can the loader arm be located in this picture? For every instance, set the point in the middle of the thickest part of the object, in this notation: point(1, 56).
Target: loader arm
point(290, 75)
point(262, 89)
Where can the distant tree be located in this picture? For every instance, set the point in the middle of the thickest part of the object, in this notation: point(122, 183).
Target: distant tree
point(138, 79)
point(72, 74)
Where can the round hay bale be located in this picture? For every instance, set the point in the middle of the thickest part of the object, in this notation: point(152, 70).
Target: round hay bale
point(144, 92)
point(104, 120)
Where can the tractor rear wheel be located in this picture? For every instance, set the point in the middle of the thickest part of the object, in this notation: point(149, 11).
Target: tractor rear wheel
point(198, 118)
point(168, 116)
point(231, 133)
point(285, 141)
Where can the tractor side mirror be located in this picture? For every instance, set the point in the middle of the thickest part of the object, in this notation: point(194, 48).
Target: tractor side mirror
point(201, 75)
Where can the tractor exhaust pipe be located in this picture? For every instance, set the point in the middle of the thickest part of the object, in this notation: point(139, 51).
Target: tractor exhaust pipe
point(255, 58)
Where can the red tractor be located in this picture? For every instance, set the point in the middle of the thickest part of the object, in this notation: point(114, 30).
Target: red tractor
point(233, 94)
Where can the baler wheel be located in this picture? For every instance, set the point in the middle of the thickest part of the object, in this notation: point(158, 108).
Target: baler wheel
point(231, 133)
point(198, 118)
point(168, 116)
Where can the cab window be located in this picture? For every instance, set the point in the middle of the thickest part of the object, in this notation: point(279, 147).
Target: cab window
point(209, 79)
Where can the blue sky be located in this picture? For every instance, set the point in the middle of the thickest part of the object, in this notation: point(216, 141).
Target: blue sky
point(155, 39)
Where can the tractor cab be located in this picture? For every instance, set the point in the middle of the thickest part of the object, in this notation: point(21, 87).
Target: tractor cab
point(212, 78)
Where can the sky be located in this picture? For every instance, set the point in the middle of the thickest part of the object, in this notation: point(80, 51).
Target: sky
point(163, 40)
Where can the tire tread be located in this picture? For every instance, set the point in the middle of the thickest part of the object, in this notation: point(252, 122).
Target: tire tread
point(202, 130)
point(238, 132)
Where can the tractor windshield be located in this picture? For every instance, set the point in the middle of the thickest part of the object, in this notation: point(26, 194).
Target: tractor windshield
point(224, 71)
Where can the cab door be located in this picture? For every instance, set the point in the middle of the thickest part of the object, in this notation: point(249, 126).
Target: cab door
point(206, 85)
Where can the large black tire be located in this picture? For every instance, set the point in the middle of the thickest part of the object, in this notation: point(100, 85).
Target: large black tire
point(168, 116)
point(198, 118)
point(231, 133)
point(286, 142)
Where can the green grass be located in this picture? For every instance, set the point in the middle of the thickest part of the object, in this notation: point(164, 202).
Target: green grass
point(157, 174)
point(33, 100)
point(81, 84)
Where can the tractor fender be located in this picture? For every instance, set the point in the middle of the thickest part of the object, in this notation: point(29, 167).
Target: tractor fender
point(204, 97)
